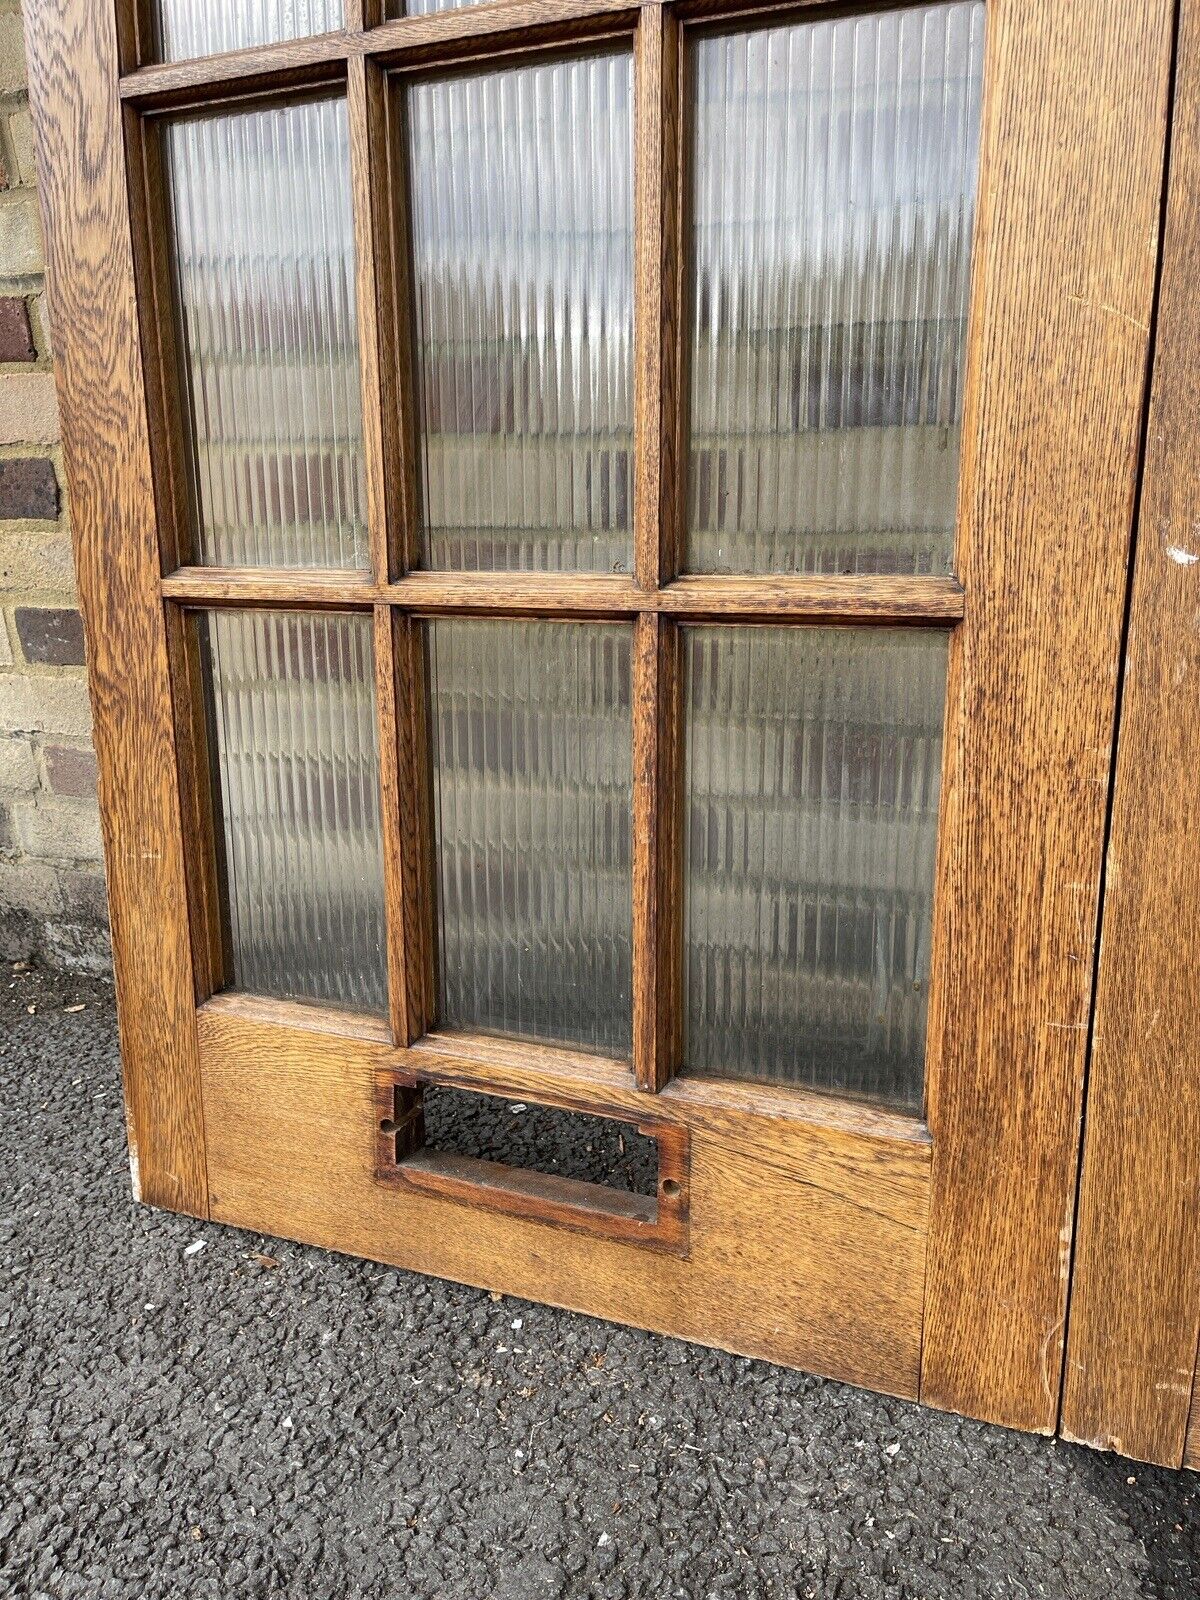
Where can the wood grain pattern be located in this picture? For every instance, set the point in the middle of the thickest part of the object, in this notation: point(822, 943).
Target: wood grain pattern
point(814, 598)
point(72, 51)
point(295, 589)
point(387, 511)
point(657, 846)
point(1135, 1298)
point(390, 801)
point(818, 1274)
point(401, 333)
point(367, 113)
point(937, 602)
point(657, 287)
point(204, 864)
point(1191, 1449)
point(409, 42)
point(865, 1154)
point(290, 64)
point(178, 520)
point(1072, 160)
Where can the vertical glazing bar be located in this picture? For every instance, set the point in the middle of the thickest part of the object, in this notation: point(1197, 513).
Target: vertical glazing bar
point(373, 272)
point(657, 487)
point(657, 293)
point(377, 362)
point(657, 833)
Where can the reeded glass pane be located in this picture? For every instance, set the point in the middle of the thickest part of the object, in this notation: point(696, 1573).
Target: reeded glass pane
point(295, 754)
point(422, 8)
point(522, 227)
point(264, 274)
point(531, 740)
point(190, 28)
point(836, 164)
point(813, 766)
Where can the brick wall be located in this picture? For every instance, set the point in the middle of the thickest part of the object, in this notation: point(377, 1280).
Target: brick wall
point(52, 902)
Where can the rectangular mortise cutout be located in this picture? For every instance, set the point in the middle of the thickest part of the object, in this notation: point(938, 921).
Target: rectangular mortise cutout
point(610, 1176)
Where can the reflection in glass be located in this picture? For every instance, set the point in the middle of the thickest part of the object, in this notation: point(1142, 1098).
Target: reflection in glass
point(835, 170)
point(189, 28)
point(296, 769)
point(813, 761)
point(531, 740)
point(264, 278)
point(522, 230)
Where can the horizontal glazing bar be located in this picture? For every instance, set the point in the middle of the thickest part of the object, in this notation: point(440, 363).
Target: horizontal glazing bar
point(813, 598)
point(898, 601)
point(424, 41)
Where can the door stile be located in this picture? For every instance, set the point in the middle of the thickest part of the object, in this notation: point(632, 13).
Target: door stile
point(1064, 279)
point(72, 50)
point(1135, 1298)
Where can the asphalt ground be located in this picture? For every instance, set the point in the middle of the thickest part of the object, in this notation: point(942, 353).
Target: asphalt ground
point(192, 1411)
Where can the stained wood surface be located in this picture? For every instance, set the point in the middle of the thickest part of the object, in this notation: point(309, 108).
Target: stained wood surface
point(264, 586)
point(658, 257)
point(657, 852)
point(816, 1270)
point(72, 53)
point(860, 1152)
point(939, 602)
point(1191, 1450)
point(815, 598)
point(1070, 185)
point(412, 42)
point(1135, 1299)
point(367, 116)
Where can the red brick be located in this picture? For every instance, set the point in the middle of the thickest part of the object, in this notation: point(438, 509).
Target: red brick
point(28, 489)
point(70, 771)
point(16, 336)
point(50, 636)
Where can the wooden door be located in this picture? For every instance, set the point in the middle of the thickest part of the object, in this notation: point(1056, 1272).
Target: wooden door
point(602, 531)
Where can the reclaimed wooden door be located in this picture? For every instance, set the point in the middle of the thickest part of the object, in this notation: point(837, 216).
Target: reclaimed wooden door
point(603, 530)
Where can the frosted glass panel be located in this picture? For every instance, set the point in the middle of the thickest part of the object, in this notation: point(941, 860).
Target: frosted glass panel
point(207, 27)
point(296, 758)
point(264, 275)
point(835, 170)
point(532, 749)
point(813, 765)
point(522, 227)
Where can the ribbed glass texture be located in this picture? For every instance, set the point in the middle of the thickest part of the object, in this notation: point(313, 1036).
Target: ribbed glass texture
point(295, 755)
point(423, 8)
point(522, 230)
point(813, 760)
point(264, 279)
point(836, 164)
point(189, 28)
point(532, 768)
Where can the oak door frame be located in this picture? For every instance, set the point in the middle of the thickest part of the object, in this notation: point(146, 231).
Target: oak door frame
point(1135, 1296)
point(1073, 138)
